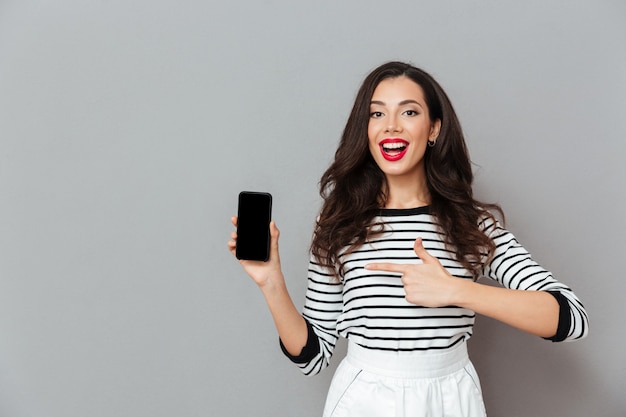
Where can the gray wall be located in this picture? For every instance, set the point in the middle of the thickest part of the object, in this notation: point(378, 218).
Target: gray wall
point(127, 128)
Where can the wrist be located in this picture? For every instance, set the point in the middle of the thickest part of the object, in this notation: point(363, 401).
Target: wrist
point(464, 293)
point(275, 283)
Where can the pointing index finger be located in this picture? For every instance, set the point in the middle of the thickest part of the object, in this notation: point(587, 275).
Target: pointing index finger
point(385, 266)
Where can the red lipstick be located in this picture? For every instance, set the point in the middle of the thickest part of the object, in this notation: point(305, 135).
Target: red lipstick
point(393, 149)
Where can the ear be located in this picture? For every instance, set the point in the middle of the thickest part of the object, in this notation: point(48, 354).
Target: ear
point(434, 130)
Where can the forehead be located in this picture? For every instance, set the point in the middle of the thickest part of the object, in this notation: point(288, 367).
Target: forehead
point(397, 89)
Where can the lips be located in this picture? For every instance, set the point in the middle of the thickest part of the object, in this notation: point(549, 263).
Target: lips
point(393, 149)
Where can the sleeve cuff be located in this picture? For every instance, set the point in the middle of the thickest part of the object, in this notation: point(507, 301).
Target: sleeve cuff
point(309, 351)
point(564, 318)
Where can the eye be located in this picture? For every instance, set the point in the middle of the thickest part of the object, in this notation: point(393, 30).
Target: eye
point(411, 113)
point(376, 114)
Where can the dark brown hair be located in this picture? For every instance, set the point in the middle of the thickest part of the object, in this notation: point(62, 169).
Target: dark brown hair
point(353, 186)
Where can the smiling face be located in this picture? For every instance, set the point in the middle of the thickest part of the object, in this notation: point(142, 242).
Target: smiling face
point(399, 128)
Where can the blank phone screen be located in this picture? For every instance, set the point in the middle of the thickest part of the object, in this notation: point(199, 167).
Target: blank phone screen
point(253, 233)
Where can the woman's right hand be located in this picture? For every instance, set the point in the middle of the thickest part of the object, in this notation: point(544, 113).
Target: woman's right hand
point(263, 273)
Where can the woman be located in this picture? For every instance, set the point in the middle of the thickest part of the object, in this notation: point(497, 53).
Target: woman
point(397, 251)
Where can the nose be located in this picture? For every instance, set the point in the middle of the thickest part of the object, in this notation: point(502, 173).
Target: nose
point(392, 125)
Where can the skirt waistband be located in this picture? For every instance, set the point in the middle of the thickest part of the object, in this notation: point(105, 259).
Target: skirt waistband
point(419, 364)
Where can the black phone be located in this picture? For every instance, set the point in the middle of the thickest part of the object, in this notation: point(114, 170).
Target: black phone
point(253, 226)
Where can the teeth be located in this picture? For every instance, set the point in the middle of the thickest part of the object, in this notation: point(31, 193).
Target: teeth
point(394, 145)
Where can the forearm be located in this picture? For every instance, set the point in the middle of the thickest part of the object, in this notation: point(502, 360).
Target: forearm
point(535, 312)
point(290, 324)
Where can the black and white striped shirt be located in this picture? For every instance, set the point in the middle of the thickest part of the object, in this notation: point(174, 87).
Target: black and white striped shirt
point(369, 307)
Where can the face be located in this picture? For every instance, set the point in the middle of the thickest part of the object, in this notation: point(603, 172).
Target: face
point(400, 127)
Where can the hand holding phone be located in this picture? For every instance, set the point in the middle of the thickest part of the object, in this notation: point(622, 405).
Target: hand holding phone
point(253, 226)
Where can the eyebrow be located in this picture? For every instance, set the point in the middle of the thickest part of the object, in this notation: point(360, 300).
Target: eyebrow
point(402, 103)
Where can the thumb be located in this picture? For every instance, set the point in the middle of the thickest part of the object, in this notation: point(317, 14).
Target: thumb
point(274, 234)
point(422, 253)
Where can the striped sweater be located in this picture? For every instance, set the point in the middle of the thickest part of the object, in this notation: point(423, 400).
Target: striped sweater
point(369, 307)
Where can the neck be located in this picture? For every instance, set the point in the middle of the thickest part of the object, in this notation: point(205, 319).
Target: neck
point(406, 193)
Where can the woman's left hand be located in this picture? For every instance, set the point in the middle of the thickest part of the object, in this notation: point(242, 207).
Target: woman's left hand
point(430, 285)
point(427, 284)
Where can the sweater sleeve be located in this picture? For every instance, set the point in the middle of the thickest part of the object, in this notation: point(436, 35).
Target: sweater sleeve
point(322, 307)
point(513, 267)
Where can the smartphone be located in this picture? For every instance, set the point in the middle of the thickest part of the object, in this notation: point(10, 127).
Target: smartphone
point(253, 226)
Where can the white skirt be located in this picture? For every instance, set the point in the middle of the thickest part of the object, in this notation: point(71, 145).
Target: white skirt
point(370, 383)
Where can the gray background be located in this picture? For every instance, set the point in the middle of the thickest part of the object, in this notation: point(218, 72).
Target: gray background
point(127, 128)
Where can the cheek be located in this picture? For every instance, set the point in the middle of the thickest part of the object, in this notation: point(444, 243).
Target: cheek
point(421, 129)
point(371, 136)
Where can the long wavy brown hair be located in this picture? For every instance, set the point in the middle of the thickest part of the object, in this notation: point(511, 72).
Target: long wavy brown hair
point(353, 186)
